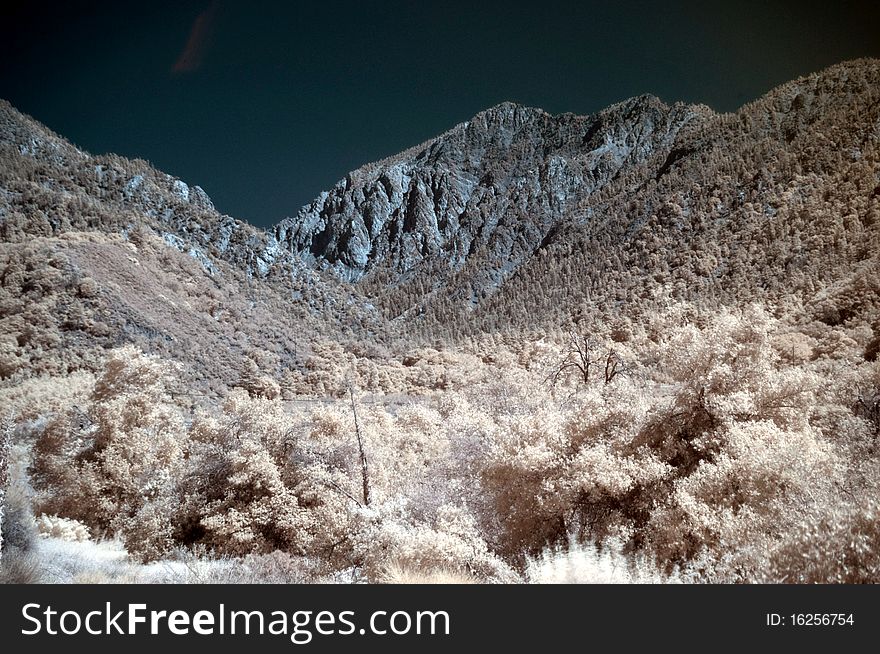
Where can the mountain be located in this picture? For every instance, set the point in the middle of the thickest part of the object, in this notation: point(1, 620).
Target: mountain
point(497, 183)
point(515, 219)
point(44, 173)
point(519, 218)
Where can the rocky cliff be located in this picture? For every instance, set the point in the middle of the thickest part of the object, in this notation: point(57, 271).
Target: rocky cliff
point(497, 183)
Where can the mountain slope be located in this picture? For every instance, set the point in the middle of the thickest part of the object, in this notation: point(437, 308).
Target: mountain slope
point(776, 203)
point(519, 218)
point(515, 219)
point(97, 251)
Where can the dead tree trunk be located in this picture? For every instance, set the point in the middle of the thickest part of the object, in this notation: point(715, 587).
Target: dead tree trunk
point(580, 355)
point(365, 472)
point(611, 363)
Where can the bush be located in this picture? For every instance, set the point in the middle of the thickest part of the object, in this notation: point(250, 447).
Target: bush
point(53, 526)
point(387, 539)
point(18, 533)
point(838, 544)
point(264, 494)
point(720, 454)
point(127, 462)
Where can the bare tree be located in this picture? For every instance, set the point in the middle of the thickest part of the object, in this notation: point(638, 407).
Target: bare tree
point(365, 472)
point(579, 355)
point(613, 366)
point(584, 355)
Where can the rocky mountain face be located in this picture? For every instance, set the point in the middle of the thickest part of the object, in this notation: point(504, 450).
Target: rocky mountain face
point(496, 184)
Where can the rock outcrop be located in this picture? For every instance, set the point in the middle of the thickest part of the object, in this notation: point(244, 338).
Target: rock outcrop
point(497, 183)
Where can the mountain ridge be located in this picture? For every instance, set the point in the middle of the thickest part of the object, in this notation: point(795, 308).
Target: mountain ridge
point(467, 225)
point(442, 195)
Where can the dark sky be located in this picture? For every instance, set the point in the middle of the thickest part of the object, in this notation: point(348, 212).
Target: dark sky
point(267, 104)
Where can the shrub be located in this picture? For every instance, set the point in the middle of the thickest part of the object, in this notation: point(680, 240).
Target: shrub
point(123, 474)
point(53, 526)
point(836, 544)
point(386, 539)
point(263, 494)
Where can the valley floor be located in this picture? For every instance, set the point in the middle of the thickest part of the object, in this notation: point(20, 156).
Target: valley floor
point(727, 448)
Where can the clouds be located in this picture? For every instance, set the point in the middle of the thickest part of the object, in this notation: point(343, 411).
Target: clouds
point(193, 54)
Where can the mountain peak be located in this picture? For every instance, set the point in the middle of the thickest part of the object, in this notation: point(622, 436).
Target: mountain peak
point(507, 111)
